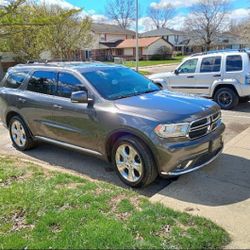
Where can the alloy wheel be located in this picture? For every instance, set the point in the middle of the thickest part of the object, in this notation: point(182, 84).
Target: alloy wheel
point(18, 133)
point(129, 163)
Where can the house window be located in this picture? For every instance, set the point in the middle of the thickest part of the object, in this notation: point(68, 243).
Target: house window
point(103, 37)
point(120, 52)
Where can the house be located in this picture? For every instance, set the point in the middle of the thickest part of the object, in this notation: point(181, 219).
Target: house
point(105, 38)
point(149, 47)
point(177, 39)
point(187, 44)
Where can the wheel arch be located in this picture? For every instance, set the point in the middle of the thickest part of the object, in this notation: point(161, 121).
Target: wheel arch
point(13, 113)
point(115, 135)
point(218, 86)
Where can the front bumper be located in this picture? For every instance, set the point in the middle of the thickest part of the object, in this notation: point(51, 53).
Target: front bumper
point(179, 158)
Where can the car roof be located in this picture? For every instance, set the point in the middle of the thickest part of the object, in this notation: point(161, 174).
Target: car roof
point(220, 53)
point(72, 65)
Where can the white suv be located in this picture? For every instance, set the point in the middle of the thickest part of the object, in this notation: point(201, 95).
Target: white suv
point(222, 75)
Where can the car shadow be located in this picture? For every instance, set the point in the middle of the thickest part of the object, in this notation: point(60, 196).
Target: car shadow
point(224, 182)
point(243, 107)
point(88, 165)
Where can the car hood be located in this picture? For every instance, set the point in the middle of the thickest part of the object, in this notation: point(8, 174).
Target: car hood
point(161, 75)
point(167, 106)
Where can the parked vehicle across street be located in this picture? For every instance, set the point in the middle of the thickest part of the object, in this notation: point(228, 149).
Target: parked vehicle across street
point(114, 113)
point(223, 76)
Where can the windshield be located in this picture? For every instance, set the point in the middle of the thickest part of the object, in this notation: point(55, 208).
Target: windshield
point(117, 83)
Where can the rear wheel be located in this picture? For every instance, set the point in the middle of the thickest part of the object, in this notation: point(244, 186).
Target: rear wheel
point(20, 135)
point(133, 162)
point(226, 98)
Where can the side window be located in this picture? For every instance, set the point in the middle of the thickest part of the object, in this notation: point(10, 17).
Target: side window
point(210, 64)
point(234, 63)
point(43, 82)
point(67, 84)
point(188, 67)
point(15, 79)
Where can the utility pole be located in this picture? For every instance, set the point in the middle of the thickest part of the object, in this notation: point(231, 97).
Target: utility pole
point(137, 43)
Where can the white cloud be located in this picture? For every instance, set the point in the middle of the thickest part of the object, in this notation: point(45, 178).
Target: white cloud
point(239, 14)
point(176, 3)
point(61, 3)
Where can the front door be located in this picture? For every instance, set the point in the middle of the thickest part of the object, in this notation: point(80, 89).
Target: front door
point(185, 78)
point(74, 123)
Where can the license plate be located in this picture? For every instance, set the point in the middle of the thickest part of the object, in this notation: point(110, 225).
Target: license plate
point(216, 144)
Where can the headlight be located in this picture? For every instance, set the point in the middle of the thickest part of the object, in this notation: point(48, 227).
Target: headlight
point(172, 130)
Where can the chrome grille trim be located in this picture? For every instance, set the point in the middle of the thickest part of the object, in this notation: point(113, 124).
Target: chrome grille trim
point(211, 123)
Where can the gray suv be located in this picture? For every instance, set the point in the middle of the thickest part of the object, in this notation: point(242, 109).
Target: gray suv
point(114, 113)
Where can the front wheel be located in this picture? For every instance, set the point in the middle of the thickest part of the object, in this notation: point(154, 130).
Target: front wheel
point(133, 162)
point(226, 98)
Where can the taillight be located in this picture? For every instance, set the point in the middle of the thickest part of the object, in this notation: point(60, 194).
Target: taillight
point(247, 79)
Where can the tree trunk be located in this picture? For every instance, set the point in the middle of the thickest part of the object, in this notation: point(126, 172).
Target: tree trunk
point(1, 71)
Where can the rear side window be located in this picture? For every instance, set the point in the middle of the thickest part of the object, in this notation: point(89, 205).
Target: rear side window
point(210, 64)
point(67, 83)
point(15, 79)
point(234, 63)
point(43, 82)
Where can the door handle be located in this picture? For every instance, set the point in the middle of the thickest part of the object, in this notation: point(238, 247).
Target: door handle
point(190, 76)
point(217, 75)
point(57, 106)
point(22, 100)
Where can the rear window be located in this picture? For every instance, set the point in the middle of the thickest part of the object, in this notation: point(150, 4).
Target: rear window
point(234, 63)
point(43, 82)
point(15, 79)
point(210, 64)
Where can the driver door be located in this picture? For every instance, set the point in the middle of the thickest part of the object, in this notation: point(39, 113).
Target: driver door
point(184, 79)
point(74, 123)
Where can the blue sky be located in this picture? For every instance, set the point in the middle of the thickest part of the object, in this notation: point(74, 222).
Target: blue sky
point(96, 9)
point(99, 5)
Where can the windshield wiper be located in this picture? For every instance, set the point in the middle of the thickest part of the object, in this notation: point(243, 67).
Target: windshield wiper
point(135, 94)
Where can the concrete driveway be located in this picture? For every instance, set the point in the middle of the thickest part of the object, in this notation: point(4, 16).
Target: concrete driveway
point(220, 192)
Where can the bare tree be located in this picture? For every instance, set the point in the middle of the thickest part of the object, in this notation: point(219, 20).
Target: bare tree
point(241, 28)
point(161, 16)
point(207, 20)
point(121, 11)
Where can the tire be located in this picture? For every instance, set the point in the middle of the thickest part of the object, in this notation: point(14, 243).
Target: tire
point(145, 171)
point(20, 134)
point(226, 98)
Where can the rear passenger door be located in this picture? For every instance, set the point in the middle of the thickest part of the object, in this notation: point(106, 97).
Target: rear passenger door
point(36, 102)
point(74, 123)
point(209, 71)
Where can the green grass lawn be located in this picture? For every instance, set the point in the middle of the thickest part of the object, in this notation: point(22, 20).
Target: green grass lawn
point(177, 59)
point(41, 209)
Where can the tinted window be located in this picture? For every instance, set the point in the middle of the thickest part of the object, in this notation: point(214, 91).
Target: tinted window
point(43, 82)
point(15, 79)
point(210, 64)
point(234, 63)
point(118, 82)
point(188, 67)
point(67, 84)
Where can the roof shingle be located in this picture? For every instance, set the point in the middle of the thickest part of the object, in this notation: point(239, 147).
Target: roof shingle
point(143, 42)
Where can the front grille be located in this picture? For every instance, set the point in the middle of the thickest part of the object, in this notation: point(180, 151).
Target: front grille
point(204, 126)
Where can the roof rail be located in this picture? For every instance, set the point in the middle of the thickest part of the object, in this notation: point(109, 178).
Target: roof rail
point(247, 50)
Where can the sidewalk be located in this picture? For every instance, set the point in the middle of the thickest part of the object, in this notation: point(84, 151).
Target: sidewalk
point(220, 192)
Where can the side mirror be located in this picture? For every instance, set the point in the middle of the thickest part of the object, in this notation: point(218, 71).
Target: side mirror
point(80, 97)
point(176, 72)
